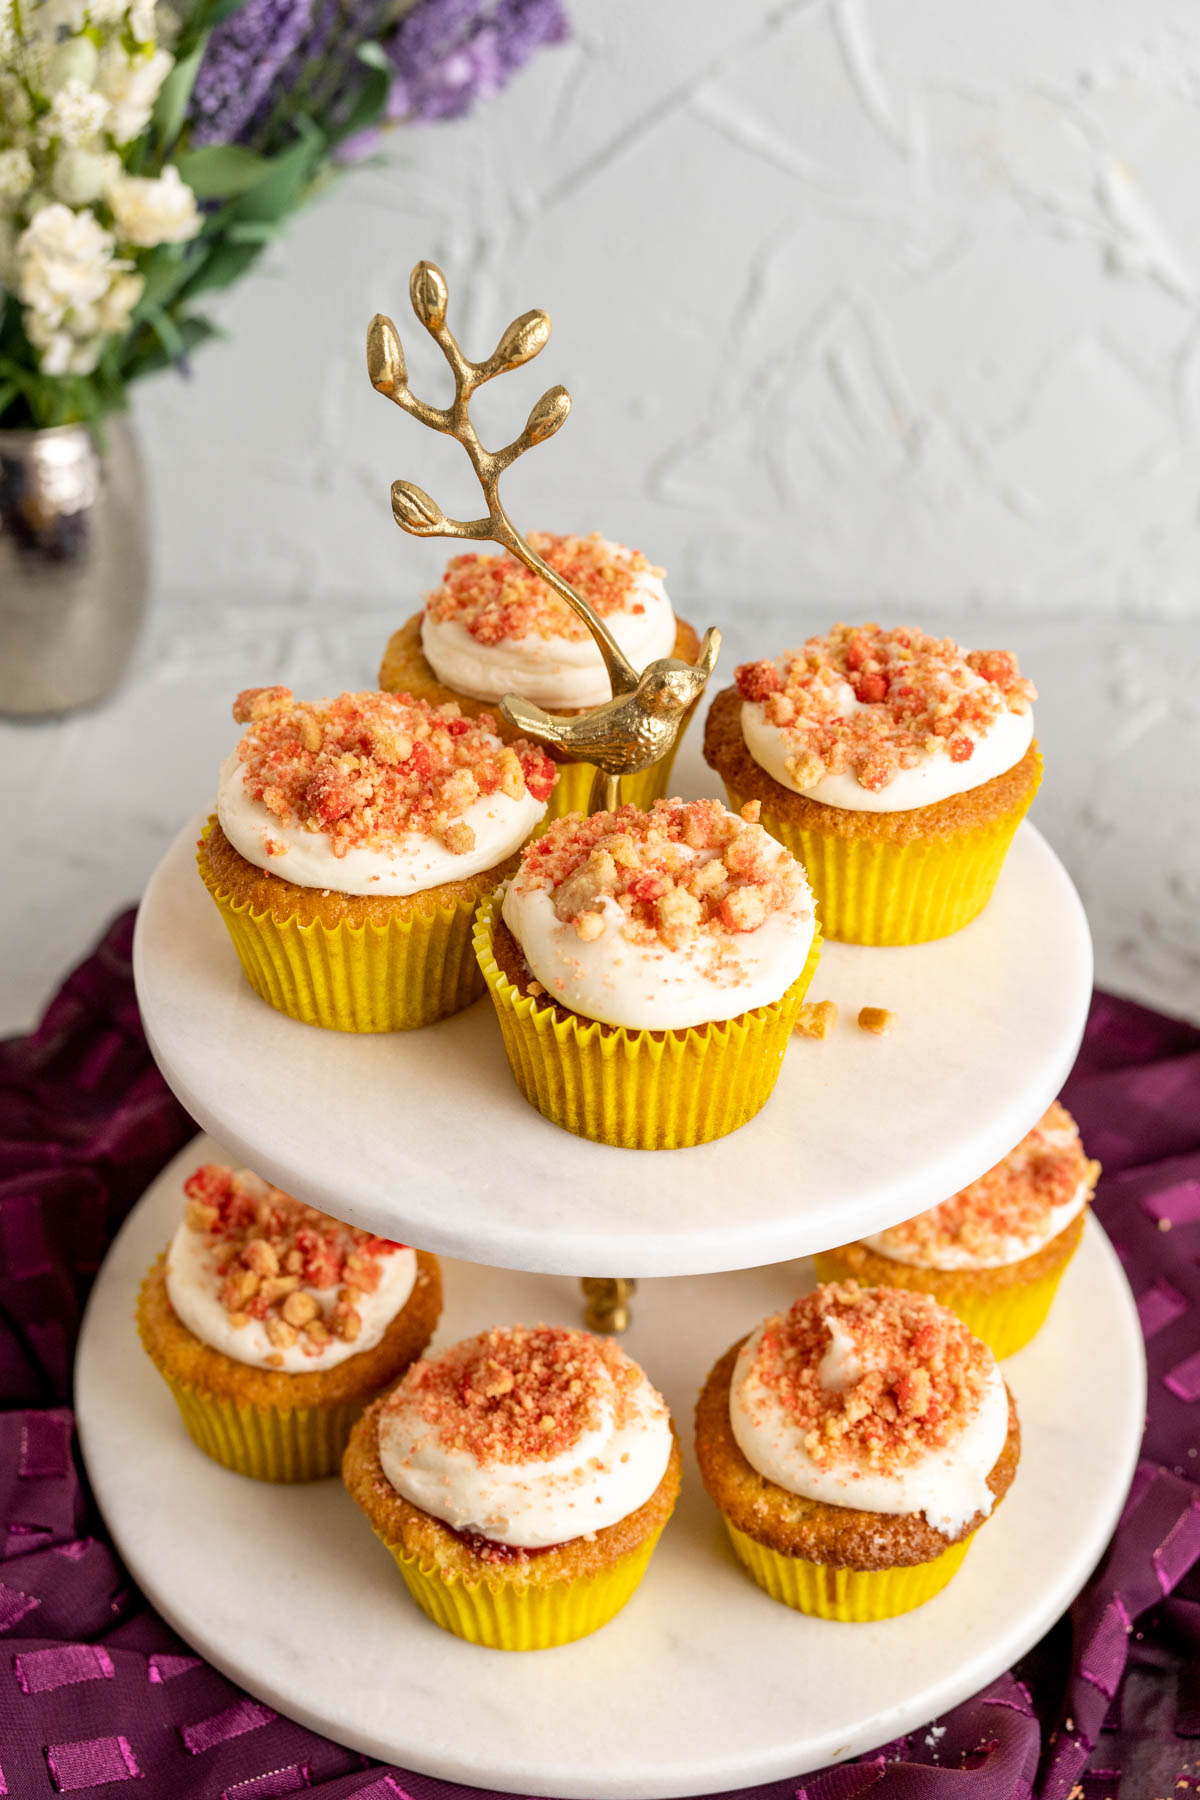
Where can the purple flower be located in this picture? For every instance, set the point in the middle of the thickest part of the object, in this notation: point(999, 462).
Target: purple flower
point(245, 53)
point(450, 53)
point(274, 59)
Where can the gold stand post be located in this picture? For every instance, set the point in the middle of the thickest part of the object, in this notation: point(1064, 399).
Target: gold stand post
point(606, 1303)
point(638, 727)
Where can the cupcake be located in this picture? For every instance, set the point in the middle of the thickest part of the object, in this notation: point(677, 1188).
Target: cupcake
point(647, 969)
point(494, 628)
point(353, 840)
point(520, 1480)
point(854, 1445)
point(996, 1252)
point(896, 766)
point(273, 1325)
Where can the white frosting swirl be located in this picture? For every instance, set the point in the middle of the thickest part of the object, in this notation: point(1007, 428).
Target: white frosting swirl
point(194, 1290)
point(951, 1256)
point(932, 778)
point(410, 866)
point(651, 987)
point(949, 1486)
point(607, 1474)
point(559, 673)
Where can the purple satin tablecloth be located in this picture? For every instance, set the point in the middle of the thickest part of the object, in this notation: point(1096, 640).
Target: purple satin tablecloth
point(96, 1692)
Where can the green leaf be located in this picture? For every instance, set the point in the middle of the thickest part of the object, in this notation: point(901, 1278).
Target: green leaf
point(167, 332)
point(222, 10)
point(280, 190)
point(376, 57)
point(167, 269)
point(371, 98)
point(170, 109)
point(8, 393)
point(227, 264)
point(221, 171)
point(150, 354)
point(252, 231)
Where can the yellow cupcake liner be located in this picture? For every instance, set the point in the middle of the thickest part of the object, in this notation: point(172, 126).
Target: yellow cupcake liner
point(1005, 1318)
point(572, 791)
point(344, 977)
point(297, 1443)
point(854, 1596)
point(641, 1090)
point(526, 1616)
point(873, 891)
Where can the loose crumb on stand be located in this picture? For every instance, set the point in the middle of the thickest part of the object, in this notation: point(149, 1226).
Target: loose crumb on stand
point(816, 1018)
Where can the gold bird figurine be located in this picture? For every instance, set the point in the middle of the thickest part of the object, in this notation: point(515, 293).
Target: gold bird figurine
point(630, 731)
point(641, 722)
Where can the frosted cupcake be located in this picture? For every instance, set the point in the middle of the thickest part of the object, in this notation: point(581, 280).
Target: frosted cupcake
point(520, 1480)
point(647, 969)
point(896, 766)
point(353, 840)
point(995, 1252)
point(273, 1324)
point(854, 1446)
point(494, 628)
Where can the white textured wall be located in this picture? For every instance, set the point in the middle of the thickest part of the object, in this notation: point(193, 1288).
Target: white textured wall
point(883, 303)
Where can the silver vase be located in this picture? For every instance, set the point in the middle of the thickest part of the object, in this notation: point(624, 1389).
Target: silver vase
point(73, 563)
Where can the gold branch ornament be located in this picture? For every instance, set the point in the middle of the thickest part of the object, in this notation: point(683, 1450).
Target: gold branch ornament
point(639, 725)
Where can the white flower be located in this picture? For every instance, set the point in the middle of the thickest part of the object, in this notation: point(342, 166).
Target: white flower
point(77, 114)
point(15, 109)
point(45, 22)
point(16, 176)
point(130, 84)
point(81, 176)
point(76, 58)
point(61, 352)
point(64, 260)
point(149, 210)
point(168, 24)
point(141, 20)
point(114, 309)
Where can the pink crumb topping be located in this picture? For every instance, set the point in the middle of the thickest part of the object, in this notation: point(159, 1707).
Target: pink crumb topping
point(923, 1374)
point(270, 1252)
point(917, 695)
point(676, 872)
point(522, 1393)
point(370, 768)
point(1014, 1201)
point(497, 597)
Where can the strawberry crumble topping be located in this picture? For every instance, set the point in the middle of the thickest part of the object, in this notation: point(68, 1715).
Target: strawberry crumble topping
point(676, 873)
point(367, 769)
point(907, 1375)
point(496, 597)
point(521, 1394)
point(278, 1260)
point(872, 702)
point(1013, 1203)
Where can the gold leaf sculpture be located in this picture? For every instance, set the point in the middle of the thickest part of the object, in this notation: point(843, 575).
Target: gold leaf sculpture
point(639, 725)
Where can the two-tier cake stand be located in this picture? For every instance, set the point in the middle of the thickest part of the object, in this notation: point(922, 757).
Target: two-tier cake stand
point(702, 1683)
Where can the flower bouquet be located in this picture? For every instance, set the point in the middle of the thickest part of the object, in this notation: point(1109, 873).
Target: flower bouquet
point(148, 153)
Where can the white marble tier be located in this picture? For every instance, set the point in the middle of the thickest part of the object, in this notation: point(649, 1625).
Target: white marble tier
point(703, 1683)
point(424, 1137)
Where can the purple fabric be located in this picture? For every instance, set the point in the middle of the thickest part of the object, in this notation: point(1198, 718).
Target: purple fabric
point(96, 1692)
